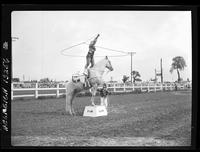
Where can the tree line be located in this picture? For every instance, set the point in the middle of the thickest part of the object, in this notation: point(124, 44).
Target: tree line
point(178, 64)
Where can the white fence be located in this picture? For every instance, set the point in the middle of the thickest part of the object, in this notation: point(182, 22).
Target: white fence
point(112, 87)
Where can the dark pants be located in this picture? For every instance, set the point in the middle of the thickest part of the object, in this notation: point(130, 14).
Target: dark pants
point(89, 59)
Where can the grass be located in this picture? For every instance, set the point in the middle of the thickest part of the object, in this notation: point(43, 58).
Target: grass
point(151, 119)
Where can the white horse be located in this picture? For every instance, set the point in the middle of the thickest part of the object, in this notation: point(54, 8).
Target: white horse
point(94, 78)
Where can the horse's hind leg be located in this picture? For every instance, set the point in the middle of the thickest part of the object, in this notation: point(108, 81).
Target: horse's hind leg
point(73, 113)
point(72, 109)
point(68, 105)
point(69, 108)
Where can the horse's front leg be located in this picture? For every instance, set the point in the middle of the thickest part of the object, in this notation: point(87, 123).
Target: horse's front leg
point(92, 100)
point(93, 91)
point(73, 112)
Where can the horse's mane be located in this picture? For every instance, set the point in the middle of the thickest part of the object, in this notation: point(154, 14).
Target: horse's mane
point(99, 62)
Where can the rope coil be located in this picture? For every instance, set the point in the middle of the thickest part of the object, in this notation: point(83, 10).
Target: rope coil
point(123, 52)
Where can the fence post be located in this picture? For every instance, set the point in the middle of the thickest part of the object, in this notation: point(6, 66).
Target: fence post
point(124, 87)
point(161, 87)
point(114, 89)
point(12, 86)
point(141, 87)
point(148, 87)
point(133, 86)
point(57, 90)
point(36, 90)
point(170, 87)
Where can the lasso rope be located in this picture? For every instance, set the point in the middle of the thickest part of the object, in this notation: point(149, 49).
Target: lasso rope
point(109, 49)
point(76, 45)
point(71, 47)
point(62, 51)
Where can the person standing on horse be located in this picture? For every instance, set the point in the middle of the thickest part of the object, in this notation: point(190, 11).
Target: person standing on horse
point(90, 55)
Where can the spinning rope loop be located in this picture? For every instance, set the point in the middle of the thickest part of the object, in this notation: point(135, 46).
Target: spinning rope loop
point(123, 52)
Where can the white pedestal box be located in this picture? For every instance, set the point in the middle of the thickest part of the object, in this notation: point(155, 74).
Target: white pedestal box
point(95, 111)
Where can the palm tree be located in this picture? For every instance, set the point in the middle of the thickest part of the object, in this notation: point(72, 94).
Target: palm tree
point(135, 75)
point(178, 64)
point(125, 78)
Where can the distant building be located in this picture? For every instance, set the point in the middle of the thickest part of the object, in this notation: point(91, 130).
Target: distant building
point(112, 82)
point(33, 81)
point(15, 80)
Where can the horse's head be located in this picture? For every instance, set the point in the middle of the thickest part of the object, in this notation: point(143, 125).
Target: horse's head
point(100, 66)
point(108, 64)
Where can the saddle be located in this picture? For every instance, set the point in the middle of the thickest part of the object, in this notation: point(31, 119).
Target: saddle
point(81, 78)
point(76, 78)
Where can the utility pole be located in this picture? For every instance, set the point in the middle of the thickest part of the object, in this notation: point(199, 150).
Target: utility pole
point(160, 73)
point(155, 76)
point(13, 40)
point(131, 53)
point(161, 70)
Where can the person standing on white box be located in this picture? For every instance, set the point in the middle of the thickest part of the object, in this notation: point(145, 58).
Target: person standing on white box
point(104, 95)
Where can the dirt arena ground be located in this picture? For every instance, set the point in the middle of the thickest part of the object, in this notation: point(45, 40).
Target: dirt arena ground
point(148, 119)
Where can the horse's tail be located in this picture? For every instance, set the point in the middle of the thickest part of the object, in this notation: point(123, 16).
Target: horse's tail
point(70, 93)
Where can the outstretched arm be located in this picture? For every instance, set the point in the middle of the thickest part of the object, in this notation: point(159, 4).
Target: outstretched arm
point(92, 43)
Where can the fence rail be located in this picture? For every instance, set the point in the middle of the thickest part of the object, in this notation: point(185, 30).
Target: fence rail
point(112, 87)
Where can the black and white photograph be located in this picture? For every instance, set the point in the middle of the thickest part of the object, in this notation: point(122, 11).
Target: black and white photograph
point(101, 78)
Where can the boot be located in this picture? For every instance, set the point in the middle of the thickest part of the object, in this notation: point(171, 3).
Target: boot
point(87, 83)
point(85, 72)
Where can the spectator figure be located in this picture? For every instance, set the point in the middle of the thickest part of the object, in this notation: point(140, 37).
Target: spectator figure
point(104, 95)
point(176, 88)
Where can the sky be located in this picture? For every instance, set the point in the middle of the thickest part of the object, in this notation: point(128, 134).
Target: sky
point(151, 34)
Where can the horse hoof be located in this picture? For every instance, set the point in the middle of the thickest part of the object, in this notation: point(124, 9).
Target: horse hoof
point(70, 113)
